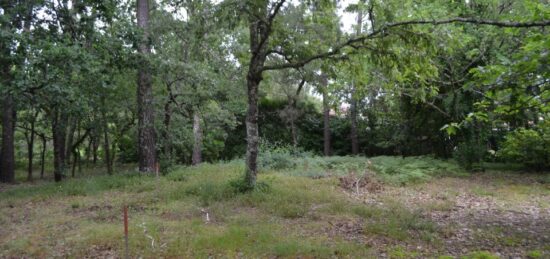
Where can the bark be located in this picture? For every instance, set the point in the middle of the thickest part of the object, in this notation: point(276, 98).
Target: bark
point(197, 137)
point(95, 147)
point(76, 154)
point(353, 101)
point(252, 134)
point(113, 153)
point(43, 155)
point(30, 139)
point(294, 113)
point(260, 31)
point(7, 171)
point(74, 149)
point(30, 146)
point(59, 126)
point(89, 150)
point(70, 138)
point(7, 150)
point(107, 149)
point(146, 130)
point(166, 137)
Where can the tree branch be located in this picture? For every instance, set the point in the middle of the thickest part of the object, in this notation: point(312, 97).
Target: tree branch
point(382, 30)
point(275, 11)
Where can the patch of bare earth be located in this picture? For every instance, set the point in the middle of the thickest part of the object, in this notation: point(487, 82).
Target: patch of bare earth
point(480, 223)
point(471, 214)
point(101, 252)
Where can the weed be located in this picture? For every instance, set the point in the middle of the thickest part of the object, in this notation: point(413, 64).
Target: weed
point(399, 252)
point(397, 222)
point(534, 254)
point(481, 255)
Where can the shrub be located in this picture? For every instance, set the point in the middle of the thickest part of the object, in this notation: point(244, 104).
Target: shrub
point(413, 169)
point(469, 154)
point(528, 146)
point(240, 185)
point(210, 192)
point(480, 255)
point(278, 156)
point(389, 169)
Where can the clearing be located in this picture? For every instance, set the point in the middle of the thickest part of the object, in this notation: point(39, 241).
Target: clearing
point(402, 208)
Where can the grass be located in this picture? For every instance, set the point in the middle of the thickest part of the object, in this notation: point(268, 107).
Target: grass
point(398, 223)
point(84, 214)
point(297, 214)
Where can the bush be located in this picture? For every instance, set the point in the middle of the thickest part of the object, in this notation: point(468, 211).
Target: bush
point(528, 146)
point(240, 185)
point(278, 156)
point(388, 169)
point(413, 169)
point(469, 154)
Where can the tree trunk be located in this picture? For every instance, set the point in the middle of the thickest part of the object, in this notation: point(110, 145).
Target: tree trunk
point(73, 122)
point(95, 147)
point(107, 149)
point(74, 149)
point(166, 132)
point(197, 137)
point(113, 152)
point(30, 147)
point(294, 113)
point(76, 157)
point(326, 117)
point(30, 140)
point(353, 101)
point(106, 145)
point(59, 133)
point(146, 123)
point(259, 37)
point(252, 134)
point(43, 155)
point(89, 149)
point(294, 133)
point(7, 171)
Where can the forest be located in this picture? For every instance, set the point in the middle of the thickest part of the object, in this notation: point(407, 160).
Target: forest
point(275, 129)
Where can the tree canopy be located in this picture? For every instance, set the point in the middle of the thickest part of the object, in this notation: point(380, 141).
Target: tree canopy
point(160, 83)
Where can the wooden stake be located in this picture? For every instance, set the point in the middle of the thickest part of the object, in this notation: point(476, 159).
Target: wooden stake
point(126, 230)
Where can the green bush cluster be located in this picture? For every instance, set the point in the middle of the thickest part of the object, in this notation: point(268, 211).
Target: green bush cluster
point(277, 156)
point(390, 169)
point(470, 153)
point(405, 170)
point(528, 146)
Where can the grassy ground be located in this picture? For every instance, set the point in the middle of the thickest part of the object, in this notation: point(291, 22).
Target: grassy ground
point(422, 208)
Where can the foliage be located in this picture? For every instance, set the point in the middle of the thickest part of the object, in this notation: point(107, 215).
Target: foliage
point(528, 146)
point(414, 169)
point(278, 156)
point(481, 255)
point(390, 170)
point(470, 152)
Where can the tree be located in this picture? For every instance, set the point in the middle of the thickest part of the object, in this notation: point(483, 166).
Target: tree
point(145, 99)
point(261, 19)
